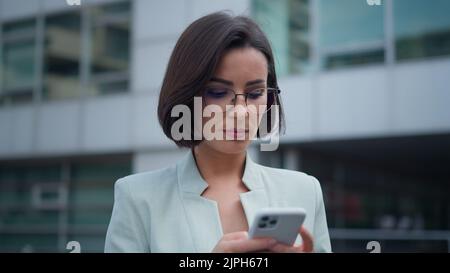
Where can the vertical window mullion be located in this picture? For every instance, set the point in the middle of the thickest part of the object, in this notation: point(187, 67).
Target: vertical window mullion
point(1, 63)
point(37, 70)
point(86, 46)
point(314, 30)
point(63, 221)
point(39, 58)
point(389, 38)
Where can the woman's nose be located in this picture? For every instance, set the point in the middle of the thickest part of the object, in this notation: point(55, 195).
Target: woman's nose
point(240, 106)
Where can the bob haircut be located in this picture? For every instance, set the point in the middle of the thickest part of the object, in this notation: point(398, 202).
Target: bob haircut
point(194, 60)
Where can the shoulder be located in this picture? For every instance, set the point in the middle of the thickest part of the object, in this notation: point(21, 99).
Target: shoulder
point(145, 183)
point(289, 178)
point(291, 182)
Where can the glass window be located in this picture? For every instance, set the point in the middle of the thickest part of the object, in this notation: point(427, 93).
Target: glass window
point(27, 243)
point(351, 33)
point(287, 24)
point(18, 61)
point(22, 224)
point(299, 38)
point(92, 197)
point(92, 182)
point(107, 35)
point(422, 28)
point(62, 56)
point(16, 182)
point(89, 243)
point(110, 48)
point(351, 58)
point(83, 216)
point(379, 193)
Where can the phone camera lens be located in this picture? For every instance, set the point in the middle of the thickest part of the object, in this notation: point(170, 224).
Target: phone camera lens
point(262, 225)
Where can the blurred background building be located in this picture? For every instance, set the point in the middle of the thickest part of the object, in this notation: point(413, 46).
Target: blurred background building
point(365, 90)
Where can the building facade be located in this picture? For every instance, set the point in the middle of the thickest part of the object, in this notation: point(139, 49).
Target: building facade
point(365, 90)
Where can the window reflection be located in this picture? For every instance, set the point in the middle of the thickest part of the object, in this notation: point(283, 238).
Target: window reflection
point(110, 48)
point(107, 35)
point(418, 36)
point(353, 58)
point(287, 25)
point(299, 38)
point(351, 33)
point(46, 203)
point(349, 22)
point(18, 61)
point(62, 56)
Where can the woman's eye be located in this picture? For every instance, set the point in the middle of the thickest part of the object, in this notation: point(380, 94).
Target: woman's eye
point(216, 93)
point(255, 94)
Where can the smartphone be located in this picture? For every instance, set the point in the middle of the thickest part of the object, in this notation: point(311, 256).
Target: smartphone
point(282, 224)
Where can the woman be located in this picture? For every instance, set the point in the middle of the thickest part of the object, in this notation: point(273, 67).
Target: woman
point(206, 202)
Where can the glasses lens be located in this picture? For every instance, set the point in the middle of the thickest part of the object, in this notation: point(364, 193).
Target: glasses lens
point(224, 97)
point(218, 96)
point(272, 99)
point(257, 97)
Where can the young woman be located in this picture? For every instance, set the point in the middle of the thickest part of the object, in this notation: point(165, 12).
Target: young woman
point(206, 201)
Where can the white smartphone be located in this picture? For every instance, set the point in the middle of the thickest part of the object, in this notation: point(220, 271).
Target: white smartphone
point(282, 224)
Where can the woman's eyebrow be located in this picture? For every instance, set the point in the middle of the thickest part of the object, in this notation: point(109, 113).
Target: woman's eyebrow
point(214, 79)
point(230, 83)
point(258, 81)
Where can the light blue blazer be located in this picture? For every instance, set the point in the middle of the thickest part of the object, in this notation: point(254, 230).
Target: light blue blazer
point(163, 210)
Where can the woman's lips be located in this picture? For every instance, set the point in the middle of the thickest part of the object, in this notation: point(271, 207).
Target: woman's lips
point(235, 134)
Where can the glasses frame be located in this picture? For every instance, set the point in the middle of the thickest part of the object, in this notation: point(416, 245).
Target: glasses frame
point(269, 90)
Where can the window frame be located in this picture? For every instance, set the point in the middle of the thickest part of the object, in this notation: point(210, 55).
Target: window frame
point(24, 36)
point(86, 76)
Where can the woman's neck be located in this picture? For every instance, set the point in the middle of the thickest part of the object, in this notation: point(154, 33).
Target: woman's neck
point(216, 167)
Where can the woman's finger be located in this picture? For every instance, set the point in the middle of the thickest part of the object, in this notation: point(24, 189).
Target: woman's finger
point(308, 245)
point(239, 235)
point(250, 245)
point(282, 248)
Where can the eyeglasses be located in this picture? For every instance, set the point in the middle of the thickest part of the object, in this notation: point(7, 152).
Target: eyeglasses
point(224, 97)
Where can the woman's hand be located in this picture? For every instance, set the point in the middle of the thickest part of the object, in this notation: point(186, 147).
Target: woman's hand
point(307, 246)
point(238, 242)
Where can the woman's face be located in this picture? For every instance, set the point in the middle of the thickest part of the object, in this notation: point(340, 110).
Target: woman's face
point(243, 70)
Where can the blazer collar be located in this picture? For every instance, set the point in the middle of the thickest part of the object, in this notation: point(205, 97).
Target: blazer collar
point(203, 213)
point(193, 182)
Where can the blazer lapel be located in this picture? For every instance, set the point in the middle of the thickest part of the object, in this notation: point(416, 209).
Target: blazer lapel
point(203, 214)
point(257, 197)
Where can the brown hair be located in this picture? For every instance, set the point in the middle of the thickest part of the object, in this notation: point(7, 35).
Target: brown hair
point(195, 58)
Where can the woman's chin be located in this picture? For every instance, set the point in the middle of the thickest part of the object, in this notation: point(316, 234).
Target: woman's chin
point(230, 146)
